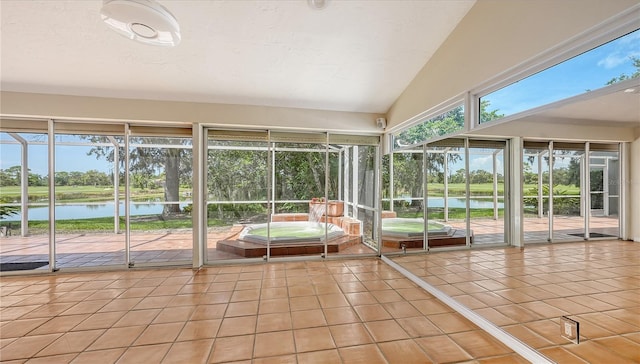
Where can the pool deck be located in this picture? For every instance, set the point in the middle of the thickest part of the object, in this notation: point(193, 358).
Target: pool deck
point(175, 247)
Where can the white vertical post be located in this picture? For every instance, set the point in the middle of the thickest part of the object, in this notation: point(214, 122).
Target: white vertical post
point(550, 238)
point(356, 165)
point(446, 184)
point(583, 177)
point(127, 197)
point(391, 182)
point(540, 200)
point(624, 205)
point(340, 166)
point(51, 146)
point(585, 188)
point(495, 184)
point(425, 197)
point(271, 192)
point(198, 195)
point(24, 183)
point(326, 195)
point(348, 204)
point(467, 190)
point(605, 186)
point(514, 204)
point(116, 184)
point(271, 171)
point(378, 199)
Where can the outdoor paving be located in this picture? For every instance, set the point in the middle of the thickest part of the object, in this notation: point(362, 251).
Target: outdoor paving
point(104, 249)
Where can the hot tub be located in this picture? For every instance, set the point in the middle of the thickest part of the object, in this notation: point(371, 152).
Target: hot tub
point(407, 228)
point(291, 232)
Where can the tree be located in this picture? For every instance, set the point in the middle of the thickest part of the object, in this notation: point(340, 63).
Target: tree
point(172, 162)
point(636, 63)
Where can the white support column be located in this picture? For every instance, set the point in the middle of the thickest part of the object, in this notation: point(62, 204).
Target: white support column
point(272, 173)
point(51, 146)
point(347, 193)
point(356, 165)
point(586, 189)
point(198, 195)
point(446, 184)
point(425, 195)
point(378, 200)
point(340, 167)
point(326, 196)
point(632, 181)
point(24, 183)
point(540, 197)
point(391, 187)
point(116, 184)
point(271, 190)
point(625, 193)
point(583, 177)
point(550, 239)
point(513, 202)
point(605, 187)
point(495, 184)
point(127, 198)
point(467, 191)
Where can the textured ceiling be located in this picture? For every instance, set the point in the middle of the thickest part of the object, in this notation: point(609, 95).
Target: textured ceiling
point(355, 55)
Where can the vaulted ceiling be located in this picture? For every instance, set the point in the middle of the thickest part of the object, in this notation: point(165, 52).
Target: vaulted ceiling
point(355, 55)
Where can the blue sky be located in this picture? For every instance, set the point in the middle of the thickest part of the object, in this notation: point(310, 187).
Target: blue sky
point(68, 158)
point(588, 71)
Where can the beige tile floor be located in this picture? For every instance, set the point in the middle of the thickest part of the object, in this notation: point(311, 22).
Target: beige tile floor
point(351, 311)
point(526, 292)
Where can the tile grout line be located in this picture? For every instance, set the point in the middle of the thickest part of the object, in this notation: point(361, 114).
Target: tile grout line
point(504, 337)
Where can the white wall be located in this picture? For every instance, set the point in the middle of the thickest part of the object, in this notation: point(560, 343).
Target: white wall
point(493, 37)
point(16, 104)
point(634, 188)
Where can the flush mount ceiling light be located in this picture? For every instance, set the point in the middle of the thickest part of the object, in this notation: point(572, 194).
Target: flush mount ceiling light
point(145, 21)
point(318, 4)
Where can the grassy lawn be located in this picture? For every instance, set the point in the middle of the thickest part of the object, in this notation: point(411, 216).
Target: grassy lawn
point(85, 193)
point(106, 224)
point(454, 213)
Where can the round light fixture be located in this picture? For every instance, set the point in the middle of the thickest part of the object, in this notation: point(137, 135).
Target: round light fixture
point(318, 4)
point(145, 21)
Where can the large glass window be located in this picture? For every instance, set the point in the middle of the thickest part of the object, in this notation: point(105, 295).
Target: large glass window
point(609, 63)
point(446, 123)
point(24, 201)
point(604, 182)
point(487, 191)
point(568, 197)
point(160, 188)
point(535, 169)
point(237, 184)
point(580, 196)
point(85, 209)
point(446, 193)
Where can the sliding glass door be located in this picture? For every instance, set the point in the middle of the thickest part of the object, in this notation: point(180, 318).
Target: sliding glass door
point(160, 189)
point(237, 193)
point(571, 191)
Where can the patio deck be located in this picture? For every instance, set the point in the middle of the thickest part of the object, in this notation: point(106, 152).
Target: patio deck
point(100, 249)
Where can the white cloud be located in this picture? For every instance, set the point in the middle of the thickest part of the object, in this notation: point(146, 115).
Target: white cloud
point(485, 163)
point(615, 59)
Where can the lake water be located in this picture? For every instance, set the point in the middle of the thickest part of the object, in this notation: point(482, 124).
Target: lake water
point(455, 202)
point(72, 212)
